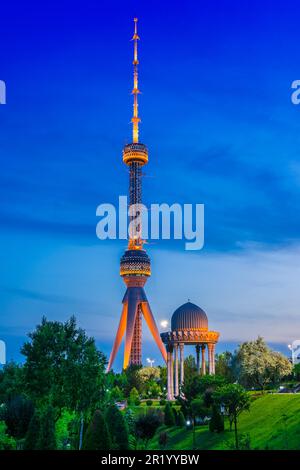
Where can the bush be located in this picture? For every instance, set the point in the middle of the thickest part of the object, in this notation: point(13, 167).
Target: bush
point(97, 434)
point(169, 415)
point(162, 402)
point(146, 426)
point(134, 398)
point(117, 428)
point(47, 439)
point(216, 423)
point(17, 415)
point(149, 402)
point(163, 439)
point(6, 442)
point(33, 433)
point(180, 419)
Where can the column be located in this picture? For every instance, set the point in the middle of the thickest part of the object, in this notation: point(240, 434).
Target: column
point(198, 358)
point(203, 364)
point(181, 359)
point(209, 346)
point(213, 359)
point(176, 385)
point(170, 394)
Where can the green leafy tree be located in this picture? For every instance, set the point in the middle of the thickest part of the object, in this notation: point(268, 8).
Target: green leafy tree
point(234, 399)
point(129, 418)
point(116, 394)
point(117, 428)
point(224, 366)
point(11, 381)
point(58, 356)
point(6, 442)
point(47, 438)
point(258, 366)
point(169, 415)
point(134, 398)
point(33, 433)
point(180, 420)
point(216, 423)
point(97, 435)
point(197, 409)
point(133, 379)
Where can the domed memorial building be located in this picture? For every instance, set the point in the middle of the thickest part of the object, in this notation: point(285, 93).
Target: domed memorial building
point(189, 326)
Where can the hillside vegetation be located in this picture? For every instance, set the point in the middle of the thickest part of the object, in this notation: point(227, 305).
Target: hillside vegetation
point(273, 422)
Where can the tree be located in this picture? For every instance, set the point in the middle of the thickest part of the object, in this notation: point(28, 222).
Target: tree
point(234, 399)
point(47, 439)
point(58, 356)
point(296, 371)
point(117, 428)
point(33, 433)
point(216, 423)
point(17, 415)
point(129, 418)
point(11, 381)
point(257, 365)
point(134, 399)
point(116, 394)
point(197, 409)
point(169, 415)
point(224, 365)
point(134, 379)
point(180, 420)
point(146, 426)
point(97, 434)
point(6, 442)
point(190, 369)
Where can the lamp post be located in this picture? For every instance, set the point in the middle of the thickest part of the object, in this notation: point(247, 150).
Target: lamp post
point(150, 361)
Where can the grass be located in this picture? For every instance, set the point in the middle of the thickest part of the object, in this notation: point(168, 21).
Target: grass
point(273, 422)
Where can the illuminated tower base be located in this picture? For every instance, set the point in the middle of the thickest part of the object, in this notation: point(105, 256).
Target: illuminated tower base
point(135, 304)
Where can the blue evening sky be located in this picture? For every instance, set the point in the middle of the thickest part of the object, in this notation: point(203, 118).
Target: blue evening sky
point(221, 129)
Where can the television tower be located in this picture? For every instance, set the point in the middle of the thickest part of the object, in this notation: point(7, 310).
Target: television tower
point(135, 263)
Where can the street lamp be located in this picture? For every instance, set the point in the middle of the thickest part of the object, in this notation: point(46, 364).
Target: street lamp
point(150, 361)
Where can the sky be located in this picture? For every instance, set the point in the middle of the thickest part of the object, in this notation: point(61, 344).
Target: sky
point(221, 130)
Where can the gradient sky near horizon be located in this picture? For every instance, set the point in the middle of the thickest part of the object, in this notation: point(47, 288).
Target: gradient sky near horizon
point(221, 129)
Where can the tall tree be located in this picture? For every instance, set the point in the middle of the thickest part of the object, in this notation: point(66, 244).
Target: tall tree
point(257, 365)
point(11, 381)
point(33, 433)
point(97, 434)
point(234, 399)
point(117, 428)
point(47, 439)
point(58, 356)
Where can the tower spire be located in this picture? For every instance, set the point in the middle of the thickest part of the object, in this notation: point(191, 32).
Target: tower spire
point(135, 118)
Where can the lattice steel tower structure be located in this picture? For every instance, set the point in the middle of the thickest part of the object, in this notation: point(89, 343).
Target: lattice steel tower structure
point(135, 263)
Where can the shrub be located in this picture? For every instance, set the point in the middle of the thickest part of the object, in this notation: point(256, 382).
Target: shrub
point(33, 433)
point(17, 415)
point(169, 415)
point(180, 419)
point(163, 402)
point(134, 399)
point(146, 426)
point(117, 428)
point(149, 402)
point(163, 439)
point(47, 439)
point(216, 423)
point(97, 434)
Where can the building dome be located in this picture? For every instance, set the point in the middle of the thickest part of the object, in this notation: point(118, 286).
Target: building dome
point(189, 317)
